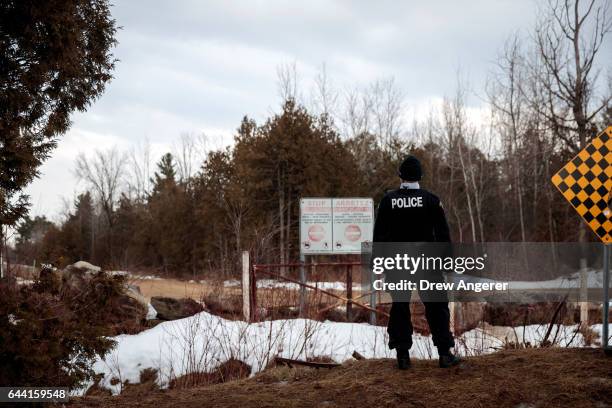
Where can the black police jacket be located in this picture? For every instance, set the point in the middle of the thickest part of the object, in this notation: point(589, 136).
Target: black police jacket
point(410, 215)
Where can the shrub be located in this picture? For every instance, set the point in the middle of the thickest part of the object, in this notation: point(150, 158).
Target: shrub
point(51, 333)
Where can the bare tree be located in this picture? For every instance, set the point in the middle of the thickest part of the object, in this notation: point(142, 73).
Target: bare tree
point(187, 156)
point(356, 112)
point(324, 96)
point(461, 139)
point(288, 81)
point(568, 39)
point(140, 161)
point(387, 101)
point(507, 98)
point(103, 173)
point(376, 109)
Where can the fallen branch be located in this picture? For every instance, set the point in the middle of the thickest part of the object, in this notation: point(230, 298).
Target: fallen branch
point(314, 364)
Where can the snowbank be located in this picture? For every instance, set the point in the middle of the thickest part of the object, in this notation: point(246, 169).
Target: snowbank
point(203, 341)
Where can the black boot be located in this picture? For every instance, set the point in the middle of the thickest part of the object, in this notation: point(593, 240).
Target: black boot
point(403, 359)
point(448, 359)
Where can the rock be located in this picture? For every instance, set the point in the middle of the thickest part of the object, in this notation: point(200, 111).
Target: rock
point(133, 291)
point(173, 309)
point(129, 315)
point(76, 278)
point(78, 274)
point(87, 266)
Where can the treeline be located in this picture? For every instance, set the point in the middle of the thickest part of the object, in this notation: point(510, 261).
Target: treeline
point(247, 197)
point(242, 198)
point(493, 174)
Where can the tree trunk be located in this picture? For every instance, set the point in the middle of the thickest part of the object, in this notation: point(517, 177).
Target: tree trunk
point(288, 223)
point(467, 192)
point(281, 218)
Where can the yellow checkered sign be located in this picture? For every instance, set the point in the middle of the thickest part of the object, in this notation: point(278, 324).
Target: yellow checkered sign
point(586, 182)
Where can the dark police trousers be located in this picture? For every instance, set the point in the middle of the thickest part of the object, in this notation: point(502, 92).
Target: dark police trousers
point(438, 318)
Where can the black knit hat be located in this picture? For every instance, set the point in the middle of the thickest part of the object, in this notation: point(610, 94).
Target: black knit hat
point(410, 169)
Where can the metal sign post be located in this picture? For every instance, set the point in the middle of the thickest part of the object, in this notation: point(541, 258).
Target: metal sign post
point(302, 280)
point(606, 297)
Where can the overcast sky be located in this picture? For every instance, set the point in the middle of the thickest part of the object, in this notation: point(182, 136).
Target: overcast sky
point(199, 66)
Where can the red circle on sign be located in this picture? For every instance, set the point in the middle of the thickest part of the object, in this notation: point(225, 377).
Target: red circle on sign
point(352, 232)
point(316, 233)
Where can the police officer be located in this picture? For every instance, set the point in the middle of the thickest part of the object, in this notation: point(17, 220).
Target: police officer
point(412, 214)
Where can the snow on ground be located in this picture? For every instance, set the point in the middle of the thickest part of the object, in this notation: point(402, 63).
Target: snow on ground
point(203, 341)
point(277, 284)
point(22, 281)
point(130, 275)
point(151, 312)
point(594, 280)
point(119, 273)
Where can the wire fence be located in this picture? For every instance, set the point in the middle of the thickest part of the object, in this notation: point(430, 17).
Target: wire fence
point(317, 290)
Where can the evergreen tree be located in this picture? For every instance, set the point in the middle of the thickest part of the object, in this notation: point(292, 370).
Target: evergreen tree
point(78, 230)
point(169, 208)
point(30, 234)
point(55, 58)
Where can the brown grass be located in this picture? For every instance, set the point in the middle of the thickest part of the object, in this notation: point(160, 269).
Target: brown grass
point(277, 303)
point(230, 370)
point(539, 378)
point(173, 288)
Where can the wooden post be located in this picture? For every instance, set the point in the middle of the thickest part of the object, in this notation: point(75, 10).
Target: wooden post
point(349, 293)
point(373, 295)
point(246, 286)
point(451, 313)
point(253, 293)
point(302, 306)
point(584, 305)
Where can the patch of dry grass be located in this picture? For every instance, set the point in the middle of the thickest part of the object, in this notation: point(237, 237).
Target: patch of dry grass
point(529, 377)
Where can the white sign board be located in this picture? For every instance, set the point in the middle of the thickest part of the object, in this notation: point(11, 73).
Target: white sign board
point(335, 225)
point(316, 225)
point(353, 220)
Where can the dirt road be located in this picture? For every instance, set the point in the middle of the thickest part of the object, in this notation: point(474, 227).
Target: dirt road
point(517, 378)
